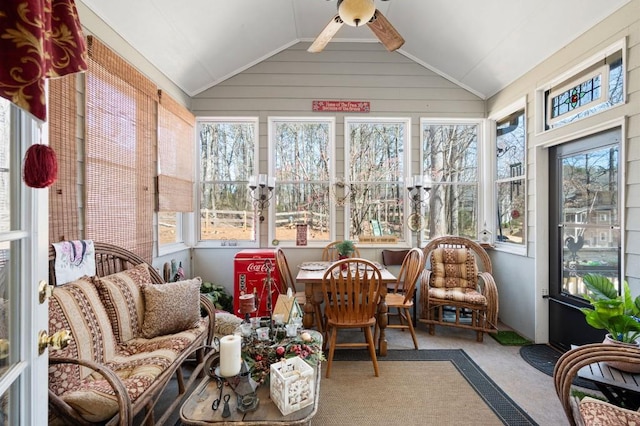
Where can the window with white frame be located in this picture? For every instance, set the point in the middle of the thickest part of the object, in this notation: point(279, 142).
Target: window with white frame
point(450, 159)
point(593, 86)
point(169, 228)
point(510, 178)
point(376, 154)
point(228, 157)
point(302, 156)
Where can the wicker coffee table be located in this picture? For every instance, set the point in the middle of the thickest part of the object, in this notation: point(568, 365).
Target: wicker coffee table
point(197, 410)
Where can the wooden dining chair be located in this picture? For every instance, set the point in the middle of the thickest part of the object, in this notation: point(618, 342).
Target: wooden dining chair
point(392, 260)
point(330, 254)
point(288, 282)
point(401, 298)
point(286, 278)
point(351, 289)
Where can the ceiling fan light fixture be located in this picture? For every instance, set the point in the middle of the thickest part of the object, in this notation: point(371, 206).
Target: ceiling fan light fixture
point(356, 12)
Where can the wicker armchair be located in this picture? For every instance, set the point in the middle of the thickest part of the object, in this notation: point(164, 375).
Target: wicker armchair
point(454, 291)
point(591, 411)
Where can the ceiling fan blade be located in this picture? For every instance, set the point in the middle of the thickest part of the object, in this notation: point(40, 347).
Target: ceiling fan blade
point(326, 35)
point(385, 32)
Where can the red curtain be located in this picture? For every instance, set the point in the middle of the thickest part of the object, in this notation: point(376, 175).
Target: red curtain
point(39, 39)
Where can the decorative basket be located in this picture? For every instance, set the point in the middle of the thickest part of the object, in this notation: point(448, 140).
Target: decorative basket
point(292, 384)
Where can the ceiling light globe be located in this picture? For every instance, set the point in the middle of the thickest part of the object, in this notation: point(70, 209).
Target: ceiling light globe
point(356, 12)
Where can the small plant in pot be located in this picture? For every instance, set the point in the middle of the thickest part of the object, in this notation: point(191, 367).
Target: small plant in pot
point(345, 248)
point(618, 314)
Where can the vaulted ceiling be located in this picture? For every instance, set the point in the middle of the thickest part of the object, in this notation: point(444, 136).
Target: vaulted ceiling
point(482, 45)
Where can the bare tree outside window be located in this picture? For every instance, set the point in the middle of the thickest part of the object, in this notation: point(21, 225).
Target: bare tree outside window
point(227, 159)
point(302, 170)
point(510, 178)
point(375, 175)
point(450, 159)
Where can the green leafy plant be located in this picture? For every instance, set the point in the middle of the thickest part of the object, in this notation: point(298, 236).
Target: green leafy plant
point(345, 248)
point(619, 315)
point(218, 296)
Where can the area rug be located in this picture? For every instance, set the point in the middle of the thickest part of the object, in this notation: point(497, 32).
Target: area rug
point(544, 357)
point(440, 386)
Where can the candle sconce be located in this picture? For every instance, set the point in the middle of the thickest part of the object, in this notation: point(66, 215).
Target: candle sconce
point(341, 192)
point(261, 192)
point(418, 187)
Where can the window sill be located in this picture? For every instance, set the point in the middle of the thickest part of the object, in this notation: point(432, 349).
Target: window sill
point(166, 249)
point(511, 249)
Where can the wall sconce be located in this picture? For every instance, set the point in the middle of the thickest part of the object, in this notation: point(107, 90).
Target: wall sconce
point(341, 192)
point(261, 192)
point(418, 187)
point(415, 186)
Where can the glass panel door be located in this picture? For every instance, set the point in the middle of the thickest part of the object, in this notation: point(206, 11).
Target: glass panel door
point(584, 230)
point(590, 217)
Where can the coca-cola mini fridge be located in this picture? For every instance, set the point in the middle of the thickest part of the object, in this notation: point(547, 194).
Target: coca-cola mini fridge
point(250, 270)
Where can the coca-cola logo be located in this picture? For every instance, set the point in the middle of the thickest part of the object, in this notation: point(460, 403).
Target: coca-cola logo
point(257, 267)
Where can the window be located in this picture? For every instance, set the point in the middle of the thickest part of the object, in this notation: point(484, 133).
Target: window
point(510, 178)
point(375, 151)
point(176, 129)
point(120, 120)
point(301, 163)
point(169, 228)
point(591, 87)
point(228, 157)
point(450, 159)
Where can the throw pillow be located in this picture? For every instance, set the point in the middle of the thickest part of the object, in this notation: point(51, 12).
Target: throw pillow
point(453, 267)
point(121, 295)
point(226, 323)
point(170, 308)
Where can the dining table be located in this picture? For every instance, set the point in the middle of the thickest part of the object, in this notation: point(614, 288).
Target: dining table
point(310, 274)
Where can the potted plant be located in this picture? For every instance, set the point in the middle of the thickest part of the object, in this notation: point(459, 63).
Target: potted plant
point(618, 314)
point(345, 248)
point(218, 296)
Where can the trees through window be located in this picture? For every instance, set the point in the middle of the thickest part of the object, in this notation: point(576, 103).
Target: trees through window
point(450, 160)
point(302, 162)
point(228, 157)
point(375, 167)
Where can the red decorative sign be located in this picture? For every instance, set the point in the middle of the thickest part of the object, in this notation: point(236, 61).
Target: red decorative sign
point(301, 235)
point(341, 106)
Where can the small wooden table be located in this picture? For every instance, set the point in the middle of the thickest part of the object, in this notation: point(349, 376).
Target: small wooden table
point(197, 410)
point(310, 274)
point(619, 387)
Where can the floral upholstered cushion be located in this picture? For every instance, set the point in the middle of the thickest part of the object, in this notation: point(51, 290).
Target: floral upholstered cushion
point(597, 412)
point(121, 295)
point(170, 308)
point(76, 307)
point(453, 268)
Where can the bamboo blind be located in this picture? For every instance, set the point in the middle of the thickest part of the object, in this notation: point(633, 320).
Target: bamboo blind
point(63, 194)
point(176, 145)
point(120, 147)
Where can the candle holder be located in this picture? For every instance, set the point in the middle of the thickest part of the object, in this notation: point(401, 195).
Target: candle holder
point(245, 389)
point(418, 188)
point(261, 192)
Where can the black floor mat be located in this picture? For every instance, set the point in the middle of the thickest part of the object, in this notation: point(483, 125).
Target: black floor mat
point(544, 357)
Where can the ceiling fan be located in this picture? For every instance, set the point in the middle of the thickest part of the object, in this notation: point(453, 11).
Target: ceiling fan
point(355, 13)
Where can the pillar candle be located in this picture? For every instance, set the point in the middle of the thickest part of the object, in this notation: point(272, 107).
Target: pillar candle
point(230, 355)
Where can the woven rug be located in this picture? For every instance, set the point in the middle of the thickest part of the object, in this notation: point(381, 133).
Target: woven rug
point(423, 387)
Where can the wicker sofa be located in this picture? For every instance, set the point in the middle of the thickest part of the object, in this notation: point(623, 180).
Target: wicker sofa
point(129, 337)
